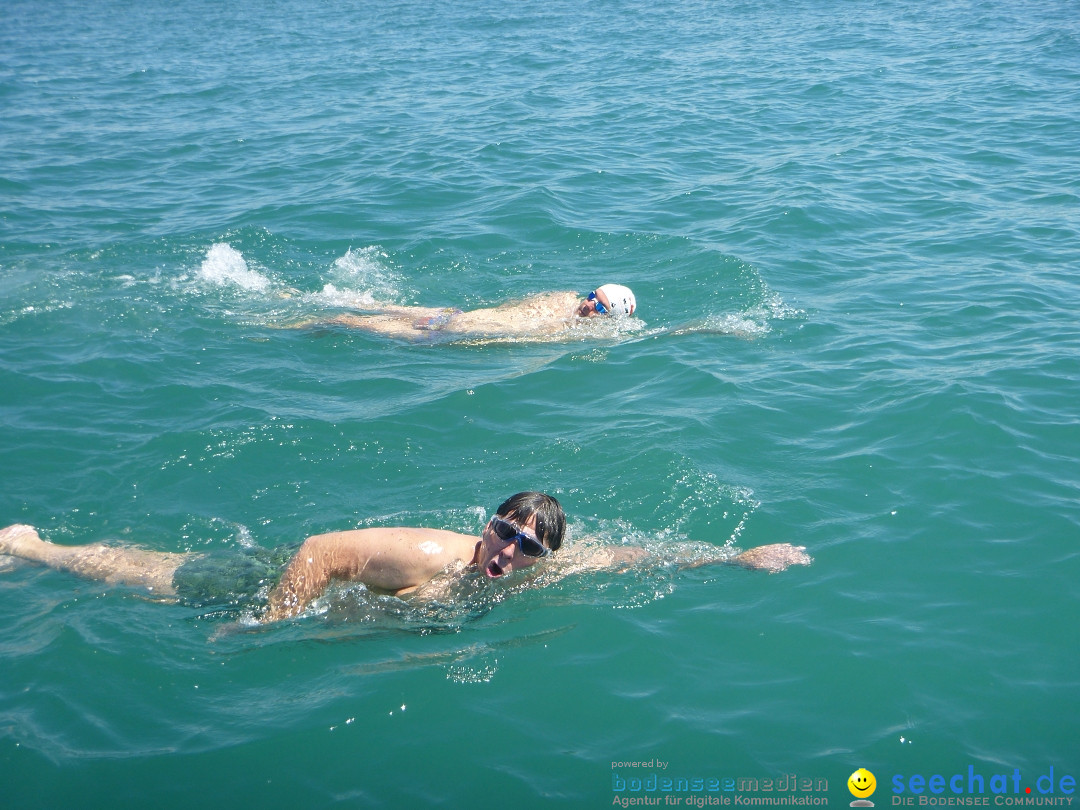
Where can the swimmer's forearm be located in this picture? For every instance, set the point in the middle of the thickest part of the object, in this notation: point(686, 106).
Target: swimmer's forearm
point(686, 554)
point(301, 582)
point(772, 558)
point(625, 558)
point(314, 566)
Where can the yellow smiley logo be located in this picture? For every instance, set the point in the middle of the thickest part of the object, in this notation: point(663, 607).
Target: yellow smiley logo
point(862, 783)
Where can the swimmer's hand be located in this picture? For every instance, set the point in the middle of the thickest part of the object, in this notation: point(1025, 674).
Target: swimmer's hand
point(773, 558)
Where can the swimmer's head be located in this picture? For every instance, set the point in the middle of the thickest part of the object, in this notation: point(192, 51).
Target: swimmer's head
point(550, 518)
point(609, 299)
point(523, 530)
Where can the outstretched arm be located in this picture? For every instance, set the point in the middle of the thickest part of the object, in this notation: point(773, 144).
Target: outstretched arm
point(772, 558)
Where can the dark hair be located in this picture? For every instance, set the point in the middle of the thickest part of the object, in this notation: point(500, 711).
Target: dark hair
point(550, 518)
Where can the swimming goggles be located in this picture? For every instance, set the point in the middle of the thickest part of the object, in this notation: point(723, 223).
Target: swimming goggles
point(599, 307)
point(507, 531)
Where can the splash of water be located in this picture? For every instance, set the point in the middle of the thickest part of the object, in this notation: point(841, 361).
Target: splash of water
point(225, 266)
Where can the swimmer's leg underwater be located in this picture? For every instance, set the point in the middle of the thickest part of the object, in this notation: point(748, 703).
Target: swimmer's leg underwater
point(191, 578)
point(403, 327)
point(115, 565)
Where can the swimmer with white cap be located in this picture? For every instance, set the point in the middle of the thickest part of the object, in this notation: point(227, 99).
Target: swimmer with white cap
point(609, 299)
point(541, 316)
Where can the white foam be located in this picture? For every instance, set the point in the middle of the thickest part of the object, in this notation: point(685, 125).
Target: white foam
point(743, 324)
point(360, 280)
point(365, 270)
point(752, 323)
point(347, 299)
point(244, 537)
point(225, 266)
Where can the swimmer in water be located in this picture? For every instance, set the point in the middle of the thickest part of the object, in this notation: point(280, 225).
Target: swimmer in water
point(525, 529)
point(538, 316)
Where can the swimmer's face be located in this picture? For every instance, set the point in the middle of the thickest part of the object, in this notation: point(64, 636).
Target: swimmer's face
point(500, 557)
point(861, 783)
point(589, 307)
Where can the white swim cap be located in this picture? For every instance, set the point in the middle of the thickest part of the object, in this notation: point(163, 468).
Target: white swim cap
point(621, 298)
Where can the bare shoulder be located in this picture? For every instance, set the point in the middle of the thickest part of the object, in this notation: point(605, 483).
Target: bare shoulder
point(390, 559)
point(403, 541)
point(547, 303)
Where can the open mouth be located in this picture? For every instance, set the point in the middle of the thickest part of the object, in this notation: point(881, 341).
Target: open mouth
point(494, 570)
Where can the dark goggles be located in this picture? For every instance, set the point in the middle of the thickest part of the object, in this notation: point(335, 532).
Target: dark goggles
point(599, 307)
point(507, 532)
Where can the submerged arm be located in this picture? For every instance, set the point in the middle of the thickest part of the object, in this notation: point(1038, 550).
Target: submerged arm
point(772, 558)
point(308, 574)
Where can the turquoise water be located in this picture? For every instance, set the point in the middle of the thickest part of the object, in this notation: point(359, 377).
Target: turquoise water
point(854, 234)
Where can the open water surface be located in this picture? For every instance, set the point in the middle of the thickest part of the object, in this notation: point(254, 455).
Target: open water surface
point(853, 229)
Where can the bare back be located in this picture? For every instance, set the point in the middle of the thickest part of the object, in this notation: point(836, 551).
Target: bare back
point(543, 315)
point(546, 314)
